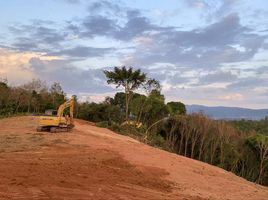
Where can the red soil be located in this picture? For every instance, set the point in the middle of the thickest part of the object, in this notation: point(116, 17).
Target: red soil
point(95, 163)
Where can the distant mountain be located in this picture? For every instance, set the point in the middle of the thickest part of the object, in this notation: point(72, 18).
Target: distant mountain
point(221, 112)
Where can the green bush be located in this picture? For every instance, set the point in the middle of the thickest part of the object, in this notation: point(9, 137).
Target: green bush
point(128, 129)
point(103, 124)
point(115, 127)
point(157, 140)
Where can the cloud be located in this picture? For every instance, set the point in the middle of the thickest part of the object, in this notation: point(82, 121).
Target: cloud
point(25, 44)
point(206, 47)
point(224, 32)
point(199, 4)
point(248, 83)
point(232, 96)
point(135, 26)
point(107, 7)
point(73, 79)
point(262, 70)
point(14, 65)
point(72, 1)
point(37, 36)
point(111, 20)
point(42, 36)
point(83, 52)
point(212, 10)
point(48, 35)
point(98, 26)
point(218, 77)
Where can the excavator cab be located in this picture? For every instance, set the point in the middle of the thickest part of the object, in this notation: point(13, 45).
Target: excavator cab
point(56, 121)
point(50, 112)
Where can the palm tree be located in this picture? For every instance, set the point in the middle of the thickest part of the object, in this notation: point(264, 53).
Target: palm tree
point(129, 79)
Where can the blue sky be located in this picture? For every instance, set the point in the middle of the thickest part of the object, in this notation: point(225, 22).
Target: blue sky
point(210, 52)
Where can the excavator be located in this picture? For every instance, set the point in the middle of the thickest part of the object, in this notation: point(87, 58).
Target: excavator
point(55, 121)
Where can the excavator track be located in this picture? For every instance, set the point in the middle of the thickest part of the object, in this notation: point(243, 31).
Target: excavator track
point(54, 129)
point(59, 129)
point(42, 129)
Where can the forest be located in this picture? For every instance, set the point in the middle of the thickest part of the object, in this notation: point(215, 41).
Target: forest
point(140, 110)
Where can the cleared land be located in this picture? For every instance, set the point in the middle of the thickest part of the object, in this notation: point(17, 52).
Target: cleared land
point(95, 163)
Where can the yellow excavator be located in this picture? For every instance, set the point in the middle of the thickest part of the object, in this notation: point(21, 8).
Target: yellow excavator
point(55, 121)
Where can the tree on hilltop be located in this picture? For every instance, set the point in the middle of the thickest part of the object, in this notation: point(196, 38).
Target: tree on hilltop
point(129, 79)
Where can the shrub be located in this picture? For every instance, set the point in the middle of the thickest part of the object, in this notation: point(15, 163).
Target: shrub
point(102, 124)
point(157, 140)
point(115, 127)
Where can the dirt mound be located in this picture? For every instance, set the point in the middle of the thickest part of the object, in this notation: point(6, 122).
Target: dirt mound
point(95, 163)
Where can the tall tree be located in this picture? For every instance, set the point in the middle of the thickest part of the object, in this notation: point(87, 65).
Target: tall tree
point(58, 96)
point(155, 108)
point(31, 88)
point(129, 79)
point(149, 86)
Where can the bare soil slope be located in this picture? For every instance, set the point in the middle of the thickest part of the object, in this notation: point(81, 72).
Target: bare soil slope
point(95, 163)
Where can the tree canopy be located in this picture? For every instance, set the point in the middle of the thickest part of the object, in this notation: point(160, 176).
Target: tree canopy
point(176, 108)
point(129, 79)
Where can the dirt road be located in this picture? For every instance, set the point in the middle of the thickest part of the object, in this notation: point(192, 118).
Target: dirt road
point(95, 163)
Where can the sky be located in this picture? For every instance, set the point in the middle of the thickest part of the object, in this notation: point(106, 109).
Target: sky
point(208, 52)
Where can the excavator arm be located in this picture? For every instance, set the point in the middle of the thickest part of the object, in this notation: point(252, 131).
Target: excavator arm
point(67, 104)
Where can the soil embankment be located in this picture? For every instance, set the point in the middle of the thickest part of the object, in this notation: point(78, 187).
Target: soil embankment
point(95, 163)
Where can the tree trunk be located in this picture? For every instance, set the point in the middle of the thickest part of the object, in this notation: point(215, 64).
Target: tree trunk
point(186, 144)
point(141, 111)
point(181, 140)
point(201, 147)
point(193, 147)
point(172, 139)
point(213, 148)
point(29, 105)
point(127, 96)
point(259, 180)
point(222, 153)
point(263, 157)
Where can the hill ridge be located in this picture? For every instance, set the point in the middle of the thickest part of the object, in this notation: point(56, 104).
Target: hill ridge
point(224, 112)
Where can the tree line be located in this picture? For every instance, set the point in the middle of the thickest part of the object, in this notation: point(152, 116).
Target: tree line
point(32, 97)
point(140, 110)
